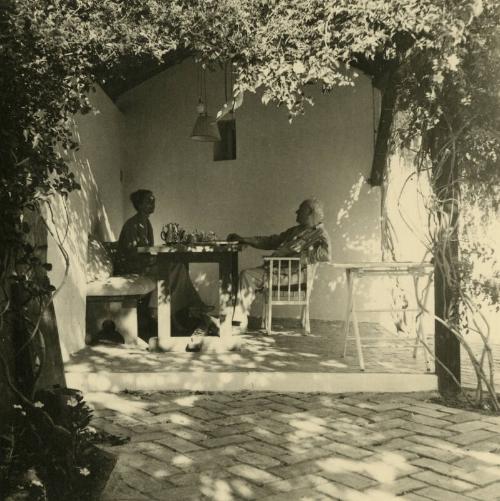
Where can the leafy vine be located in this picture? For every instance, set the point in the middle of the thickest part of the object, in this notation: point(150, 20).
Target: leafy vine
point(442, 54)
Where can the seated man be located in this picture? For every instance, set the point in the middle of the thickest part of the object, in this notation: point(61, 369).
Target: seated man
point(308, 240)
point(138, 232)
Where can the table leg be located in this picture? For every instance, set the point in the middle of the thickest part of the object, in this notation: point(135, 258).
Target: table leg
point(235, 277)
point(355, 326)
point(358, 341)
point(419, 327)
point(164, 315)
point(348, 309)
point(226, 296)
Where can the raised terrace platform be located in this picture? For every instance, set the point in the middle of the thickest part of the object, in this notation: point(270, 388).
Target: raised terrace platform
point(285, 361)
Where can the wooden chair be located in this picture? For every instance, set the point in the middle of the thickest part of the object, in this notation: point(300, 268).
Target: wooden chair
point(287, 283)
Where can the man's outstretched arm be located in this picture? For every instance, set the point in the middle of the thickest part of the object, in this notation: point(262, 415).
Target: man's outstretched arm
point(270, 242)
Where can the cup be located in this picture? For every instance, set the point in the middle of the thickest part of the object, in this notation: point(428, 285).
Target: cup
point(163, 233)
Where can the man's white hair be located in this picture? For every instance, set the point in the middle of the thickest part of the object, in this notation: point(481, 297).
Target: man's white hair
point(316, 209)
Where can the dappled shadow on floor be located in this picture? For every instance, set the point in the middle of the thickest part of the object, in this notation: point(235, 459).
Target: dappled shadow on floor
point(286, 350)
point(256, 445)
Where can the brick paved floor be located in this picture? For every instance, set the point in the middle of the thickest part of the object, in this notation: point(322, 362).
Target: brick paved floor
point(270, 446)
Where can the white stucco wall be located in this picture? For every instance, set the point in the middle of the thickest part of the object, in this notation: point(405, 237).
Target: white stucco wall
point(326, 153)
point(408, 209)
point(96, 209)
point(406, 200)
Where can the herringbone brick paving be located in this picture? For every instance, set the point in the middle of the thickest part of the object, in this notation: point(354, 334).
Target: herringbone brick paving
point(270, 446)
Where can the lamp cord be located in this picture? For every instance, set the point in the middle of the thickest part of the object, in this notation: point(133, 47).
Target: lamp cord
point(204, 74)
point(228, 75)
point(225, 82)
point(200, 97)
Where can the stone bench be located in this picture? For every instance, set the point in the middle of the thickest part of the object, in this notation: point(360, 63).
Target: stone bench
point(120, 299)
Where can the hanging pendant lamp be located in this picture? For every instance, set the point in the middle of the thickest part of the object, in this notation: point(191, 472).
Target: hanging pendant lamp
point(205, 127)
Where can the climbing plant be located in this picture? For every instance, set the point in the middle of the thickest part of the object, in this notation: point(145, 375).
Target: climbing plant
point(449, 98)
point(441, 57)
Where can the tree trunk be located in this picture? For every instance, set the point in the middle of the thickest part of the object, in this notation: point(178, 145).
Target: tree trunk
point(447, 346)
point(24, 375)
point(446, 278)
point(387, 84)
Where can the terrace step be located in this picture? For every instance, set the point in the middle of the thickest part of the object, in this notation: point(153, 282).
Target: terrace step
point(251, 380)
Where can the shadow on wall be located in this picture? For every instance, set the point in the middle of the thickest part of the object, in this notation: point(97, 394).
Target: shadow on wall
point(362, 237)
point(355, 237)
point(357, 240)
point(70, 221)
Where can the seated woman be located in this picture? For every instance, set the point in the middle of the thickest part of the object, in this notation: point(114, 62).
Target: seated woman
point(138, 232)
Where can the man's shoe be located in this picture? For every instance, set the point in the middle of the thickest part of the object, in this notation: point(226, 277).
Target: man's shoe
point(196, 341)
point(193, 347)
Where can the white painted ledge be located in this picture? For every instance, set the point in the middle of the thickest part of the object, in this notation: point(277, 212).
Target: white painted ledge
point(252, 381)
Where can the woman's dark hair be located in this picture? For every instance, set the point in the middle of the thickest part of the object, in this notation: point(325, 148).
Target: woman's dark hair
point(138, 196)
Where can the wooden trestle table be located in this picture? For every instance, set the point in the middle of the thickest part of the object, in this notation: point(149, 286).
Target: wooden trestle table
point(356, 271)
point(221, 252)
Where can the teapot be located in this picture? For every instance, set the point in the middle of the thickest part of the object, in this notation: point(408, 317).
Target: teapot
point(170, 233)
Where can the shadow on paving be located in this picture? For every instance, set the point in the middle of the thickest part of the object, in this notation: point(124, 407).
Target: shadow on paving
point(265, 445)
point(287, 349)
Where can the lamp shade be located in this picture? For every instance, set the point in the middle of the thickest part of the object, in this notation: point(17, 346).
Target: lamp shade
point(205, 129)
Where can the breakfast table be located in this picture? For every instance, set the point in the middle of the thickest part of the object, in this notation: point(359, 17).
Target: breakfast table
point(222, 252)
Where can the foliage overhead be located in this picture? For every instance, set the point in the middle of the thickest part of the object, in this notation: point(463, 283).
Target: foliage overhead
point(442, 54)
point(53, 52)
